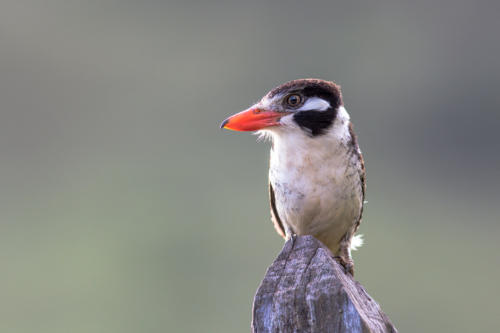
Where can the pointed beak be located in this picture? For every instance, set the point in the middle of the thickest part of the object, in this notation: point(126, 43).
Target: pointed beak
point(253, 119)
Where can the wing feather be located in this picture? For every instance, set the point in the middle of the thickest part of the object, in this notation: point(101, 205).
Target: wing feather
point(278, 225)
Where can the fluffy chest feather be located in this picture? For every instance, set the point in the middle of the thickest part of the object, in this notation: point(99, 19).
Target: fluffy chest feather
point(316, 183)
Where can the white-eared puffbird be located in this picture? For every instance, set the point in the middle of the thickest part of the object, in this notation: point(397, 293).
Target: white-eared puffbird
point(316, 173)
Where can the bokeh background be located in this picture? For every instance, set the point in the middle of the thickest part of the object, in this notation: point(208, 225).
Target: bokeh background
point(124, 208)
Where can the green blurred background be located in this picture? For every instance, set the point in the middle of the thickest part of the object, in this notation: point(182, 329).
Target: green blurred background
point(124, 208)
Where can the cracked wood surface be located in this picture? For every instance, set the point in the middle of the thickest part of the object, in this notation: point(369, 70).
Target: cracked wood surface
point(306, 290)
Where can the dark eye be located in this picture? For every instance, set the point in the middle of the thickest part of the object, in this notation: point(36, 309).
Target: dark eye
point(293, 100)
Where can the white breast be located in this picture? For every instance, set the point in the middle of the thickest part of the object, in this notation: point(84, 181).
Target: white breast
point(316, 181)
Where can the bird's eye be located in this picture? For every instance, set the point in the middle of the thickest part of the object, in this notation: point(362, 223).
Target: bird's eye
point(293, 100)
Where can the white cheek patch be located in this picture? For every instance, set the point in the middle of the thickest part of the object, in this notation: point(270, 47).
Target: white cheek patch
point(315, 103)
point(288, 121)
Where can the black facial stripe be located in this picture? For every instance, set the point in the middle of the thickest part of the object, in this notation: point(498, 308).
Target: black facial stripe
point(315, 122)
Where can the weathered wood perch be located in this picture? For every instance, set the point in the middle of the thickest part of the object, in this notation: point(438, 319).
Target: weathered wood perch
point(306, 290)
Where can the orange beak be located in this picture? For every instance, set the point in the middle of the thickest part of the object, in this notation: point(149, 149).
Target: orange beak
point(252, 119)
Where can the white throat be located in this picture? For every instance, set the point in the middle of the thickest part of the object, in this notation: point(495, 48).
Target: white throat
point(293, 148)
point(316, 179)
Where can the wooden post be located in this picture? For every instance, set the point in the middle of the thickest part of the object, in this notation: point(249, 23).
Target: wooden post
point(306, 290)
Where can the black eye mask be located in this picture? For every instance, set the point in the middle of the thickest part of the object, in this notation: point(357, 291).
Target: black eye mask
point(315, 122)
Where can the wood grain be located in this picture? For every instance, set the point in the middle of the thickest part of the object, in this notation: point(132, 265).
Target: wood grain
point(306, 290)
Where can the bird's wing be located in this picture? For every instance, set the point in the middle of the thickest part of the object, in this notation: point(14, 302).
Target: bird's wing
point(362, 173)
point(362, 177)
point(278, 225)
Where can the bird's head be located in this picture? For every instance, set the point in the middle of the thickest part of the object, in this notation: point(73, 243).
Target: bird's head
point(308, 105)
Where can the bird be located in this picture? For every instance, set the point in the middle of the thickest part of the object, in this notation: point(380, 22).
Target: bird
point(316, 170)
